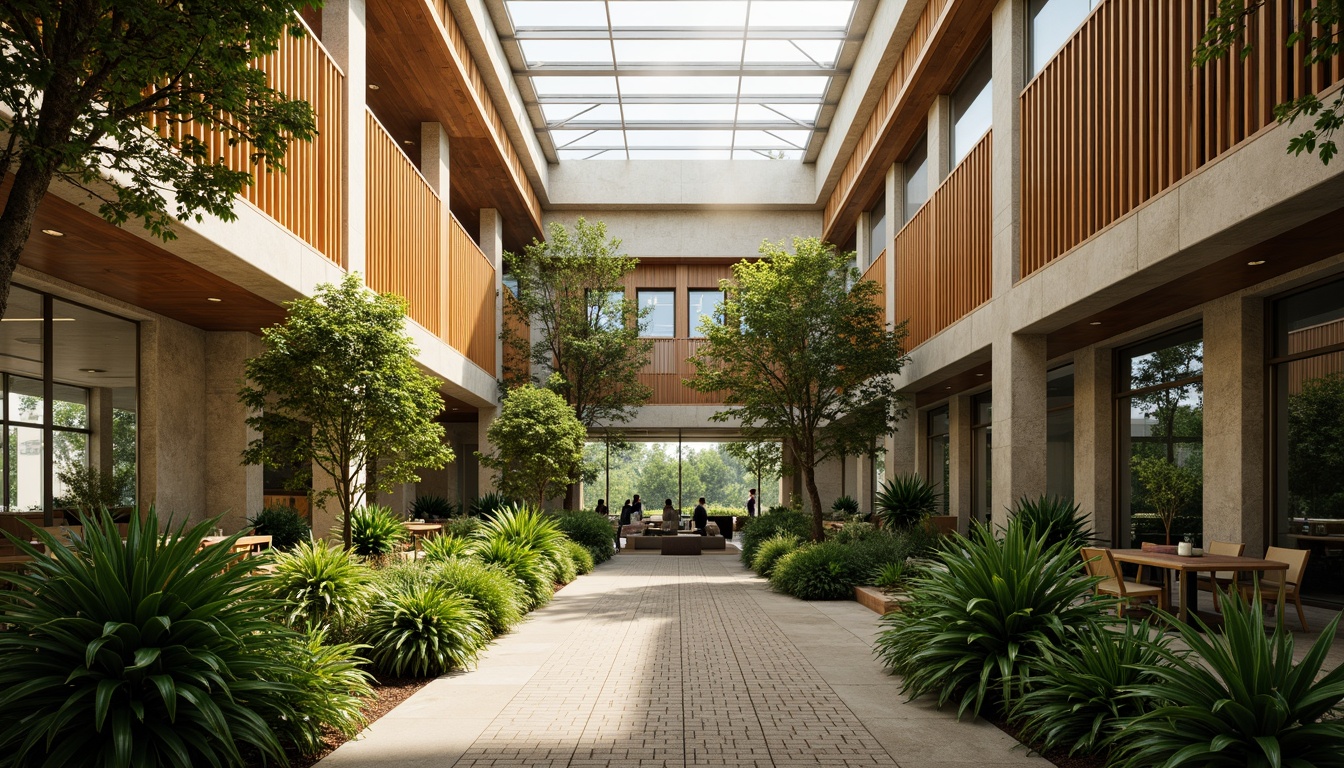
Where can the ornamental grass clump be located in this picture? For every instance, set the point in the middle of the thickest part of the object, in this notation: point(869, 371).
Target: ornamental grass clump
point(776, 521)
point(985, 609)
point(820, 571)
point(321, 586)
point(532, 572)
point(582, 557)
point(375, 532)
point(423, 631)
point(499, 597)
point(442, 548)
point(905, 501)
point(150, 651)
point(1053, 518)
point(1238, 699)
point(771, 550)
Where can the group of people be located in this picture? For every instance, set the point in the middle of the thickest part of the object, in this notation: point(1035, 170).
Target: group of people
point(632, 511)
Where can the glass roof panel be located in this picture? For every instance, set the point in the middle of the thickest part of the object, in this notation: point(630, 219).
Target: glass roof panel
point(542, 52)
point(811, 14)
point(777, 113)
point(707, 139)
point(821, 53)
point(558, 114)
point(575, 139)
point(678, 13)
point(782, 139)
point(574, 86)
point(680, 154)
point(767, 154)
point(590, 154)
point(678, 51)
point(689, 113)
point(677, 86)
point(784, 86)
point(551, 13)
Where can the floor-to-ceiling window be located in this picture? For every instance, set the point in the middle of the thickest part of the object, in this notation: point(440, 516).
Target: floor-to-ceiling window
point(1059, 432)
point(1160, 457)
point(1050, 24)
point(1307, 359)
point(937, 454)
point(916, 180)
point(982, 439)
point(972, 107)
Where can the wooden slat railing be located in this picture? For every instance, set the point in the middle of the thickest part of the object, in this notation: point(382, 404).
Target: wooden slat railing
point(402, 229)
point(667, 368)
point(471, 299)
point(877, 272)
point(307, 198)
point(943, 253)
point(516, 362)
point(1120, 114)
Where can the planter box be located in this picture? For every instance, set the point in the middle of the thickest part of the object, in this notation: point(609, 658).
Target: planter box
point(878, 601)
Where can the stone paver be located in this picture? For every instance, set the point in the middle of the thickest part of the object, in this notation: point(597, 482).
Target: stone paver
point(678, 662)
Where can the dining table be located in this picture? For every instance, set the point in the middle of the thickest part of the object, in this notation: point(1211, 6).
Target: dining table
point(418, 532)
point(1195, 564)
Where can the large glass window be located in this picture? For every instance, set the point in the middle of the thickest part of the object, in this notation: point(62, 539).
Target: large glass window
point(1050, 24)
point(1160, 389)
point(972, 107)
point(1059, 432)
point(939, 456)
point(606, 312)
point(702, 305)
point(916, 179)
point(661, 319)
point(877, 229)
point(1308, 393)
point(982, 440)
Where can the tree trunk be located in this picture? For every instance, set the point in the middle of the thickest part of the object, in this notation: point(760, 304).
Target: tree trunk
point(572, 496)
point(813, 497)
point(16, 223)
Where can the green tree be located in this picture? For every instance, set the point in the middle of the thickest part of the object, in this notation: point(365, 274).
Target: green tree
point(1177, 371)
point(1168, 487)
point(588, 349)
point(82, 78)
point(804, 359)
point(338, 386)
point(538, 444)
point(761, 459)
point(1316, 447)
point(1319, 33)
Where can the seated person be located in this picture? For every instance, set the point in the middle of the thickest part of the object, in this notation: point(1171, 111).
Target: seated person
point(671, 517)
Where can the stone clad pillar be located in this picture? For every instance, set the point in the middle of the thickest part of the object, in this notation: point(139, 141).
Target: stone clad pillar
point(1008, 57)
point(1018, 452)
point(961, 453)
point(1234, 421)
point(1093, 440)
point(232, 489)
point(345, 36)
point(492, 245)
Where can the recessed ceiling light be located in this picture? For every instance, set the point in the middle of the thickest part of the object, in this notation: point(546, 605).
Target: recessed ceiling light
point(407, 142)
point(1095, 322)
point(373, 86)
point(979, 374)
point(212, 298)
point(93, 370)
point(949, 387)
point(1255, 263)
point(53, 232)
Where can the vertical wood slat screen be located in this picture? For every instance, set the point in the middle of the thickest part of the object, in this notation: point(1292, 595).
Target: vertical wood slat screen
point(515, 362)
point(1120, 114)
point(887, 104)
point(943, 253)
point(471, 299)
point(307, 199)
point(402, 226)
point(877, 272)
point(667, 368)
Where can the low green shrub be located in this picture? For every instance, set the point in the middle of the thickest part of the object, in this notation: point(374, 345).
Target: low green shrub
point(525, 526)
point(819, 571)
point(891, 575)
point(442, 548)
point(1075, 696)
point(497, 595)
point(433, 507)
point(375, 531)
point(423, 631)
point(987, 609)
point(1239, 699)
point(850, 533)
point(402, 576)
point(486, 505)
point(146, 650)
point(778, 520)
point(771, 550)
point(584, 562)
point(1053, 517)
point(884, 546)
point(563, 566)
point(320, 586)
point(905, 500)
point(461, 527)
point(330, 687)
point(524, 565)
point(591, 530)
point(283, 524)
point(844, 508)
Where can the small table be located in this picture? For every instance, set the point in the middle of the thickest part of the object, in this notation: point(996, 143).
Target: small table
point(1206, 562)
point(418, 532)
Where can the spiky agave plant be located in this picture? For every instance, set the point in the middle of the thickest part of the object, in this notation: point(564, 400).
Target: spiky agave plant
point(423, 631)
point(499, 597)
point(321, 585)
point(905, 500)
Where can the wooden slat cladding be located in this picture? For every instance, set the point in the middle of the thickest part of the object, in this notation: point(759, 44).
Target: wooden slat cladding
point(943, 253)
point(1326, 334)
point(515, 361)
point(471, 299)
point(402, 230)
point(307, 198)
point(666, 370)
point(1120, 114)
point(877, 272)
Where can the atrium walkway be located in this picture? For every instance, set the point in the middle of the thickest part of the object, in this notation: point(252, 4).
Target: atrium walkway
point(666, 662)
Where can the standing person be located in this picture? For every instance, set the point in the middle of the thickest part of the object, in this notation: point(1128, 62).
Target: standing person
point(637, 509)
point(602, 508)
point(751, 503)
point(626, 510)
point(700, 517)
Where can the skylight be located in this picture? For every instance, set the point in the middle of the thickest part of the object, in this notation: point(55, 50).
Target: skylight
point(711, 79)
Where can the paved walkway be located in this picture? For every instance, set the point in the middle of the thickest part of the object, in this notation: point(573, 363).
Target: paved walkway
point(671, 662)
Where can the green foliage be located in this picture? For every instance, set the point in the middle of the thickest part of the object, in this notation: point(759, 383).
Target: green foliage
point(330, 687)
point(564, 567)
point(79, 84)
point(581, 556)
point(1239, 700)
point(283, 524)
point(1316, 447)
point(538, 444)
point(650, 469)
point(989, 608)
point(433, 507)
point(1054, 518)
point(487, 504)
point(883, 547)
point(771, 550)
point(90, 490)
point(591, 530)
point(905, 501)
point(525, 566)
point(845, 507)
point(1168, 486)
point(320, 586)
point(423, 631)
point(570, 294)
point(818, 571)
point(806, 357)
point(776, 521)
point(375, 531)
point(444, 547)
point(462, 527)
point(497, 595)
point(145, 650)
point(526, 527)
point(891, 575)
point(337, 386)
point(763, 459)
point(1076, 696)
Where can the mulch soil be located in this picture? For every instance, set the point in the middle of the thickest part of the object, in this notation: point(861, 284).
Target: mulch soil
point(387, 693)
point(1059, 757)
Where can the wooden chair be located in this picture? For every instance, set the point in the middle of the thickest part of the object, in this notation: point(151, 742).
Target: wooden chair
point(1221, 580)
point(1292, 579)
point(1099, 562)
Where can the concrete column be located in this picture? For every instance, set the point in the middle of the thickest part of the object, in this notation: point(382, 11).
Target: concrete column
point(326, 512)
point(1008, 57)
point(1234, 421)
point(1093, 440)
point(345, 36)
point(232, 489)
point(961, 449)
point(903, 447)
point(100, 422)
point(895, 207)
point(170, 420)
point(434, 159)
point(492, 245)
point(939, 141)
point(920, 453)
point(1018, 452)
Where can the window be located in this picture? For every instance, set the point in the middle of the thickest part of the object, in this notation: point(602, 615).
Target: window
point(1160, 394)
point(939, 470)
point(1059, 432)
point(609, 314)
point(660, 320)
point(982, 462)
point(877, 229)
point(703, 305)
point(916, 179)
point(972, 108)
point(1050, 24)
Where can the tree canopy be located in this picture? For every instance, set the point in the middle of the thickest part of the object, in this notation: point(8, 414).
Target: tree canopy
point(338, 386)
point(538, 444)
point(804, 357)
